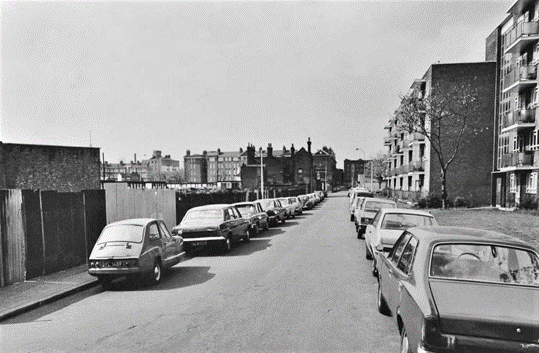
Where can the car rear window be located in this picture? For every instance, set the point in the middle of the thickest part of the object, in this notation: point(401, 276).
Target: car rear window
point(486, 263)
point(246, 210)
point(122, 232)
point(214, 214)
point(374, 206)
point(402, 221)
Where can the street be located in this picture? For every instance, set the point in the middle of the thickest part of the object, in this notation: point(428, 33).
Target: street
point(301, 286)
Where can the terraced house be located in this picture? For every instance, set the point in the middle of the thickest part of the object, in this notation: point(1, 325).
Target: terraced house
point(414, 168)
point(514, 45)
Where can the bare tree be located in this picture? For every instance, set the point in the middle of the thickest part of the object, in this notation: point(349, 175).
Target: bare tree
point(446, 118)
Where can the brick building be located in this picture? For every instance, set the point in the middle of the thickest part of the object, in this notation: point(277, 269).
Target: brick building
point(222, 169)
point(286, 167)
point(414, 169)
point(325, 165)
point(195, 167)
point(354, 172)
point(161, 168)
point(60, 168)
point(514, 46)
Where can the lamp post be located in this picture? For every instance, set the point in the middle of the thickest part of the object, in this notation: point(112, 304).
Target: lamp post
point(372, 169)
point(261, 175)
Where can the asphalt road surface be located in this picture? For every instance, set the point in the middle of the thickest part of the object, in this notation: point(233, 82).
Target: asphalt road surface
point(303, 286)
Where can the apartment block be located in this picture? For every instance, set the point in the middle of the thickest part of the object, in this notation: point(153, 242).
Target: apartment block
point(413, 167)
point(514, 45)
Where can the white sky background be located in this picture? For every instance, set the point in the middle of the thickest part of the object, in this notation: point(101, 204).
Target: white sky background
point(173, 76)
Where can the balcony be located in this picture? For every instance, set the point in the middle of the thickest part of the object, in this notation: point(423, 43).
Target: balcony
point(520, 36)
point(517, 160)
point(418, 166)
point(414, 138)
point(520, 78)
point(407, 168)
point(519, 119)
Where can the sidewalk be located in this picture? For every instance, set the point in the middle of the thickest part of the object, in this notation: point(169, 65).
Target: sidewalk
point(24, 296)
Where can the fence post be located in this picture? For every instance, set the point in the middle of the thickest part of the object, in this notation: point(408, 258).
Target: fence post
point(42, 228)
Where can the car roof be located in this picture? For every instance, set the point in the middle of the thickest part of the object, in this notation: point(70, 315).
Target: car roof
point(406, 211)
point(245, 203)
point(379, 200)
point(211, 207)
point(435, 234)
point(135, 221)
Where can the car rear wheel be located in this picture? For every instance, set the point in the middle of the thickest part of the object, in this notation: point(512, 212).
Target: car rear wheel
point(368, 255)
point(374, 269)
point(359, 233)
point(157, 272)
point(283, 220)
point(266, 227)
point(253, 232)
point(382, 304)
point(227, 245)
point(351, 218)
point(405, 344)
point(247, 236)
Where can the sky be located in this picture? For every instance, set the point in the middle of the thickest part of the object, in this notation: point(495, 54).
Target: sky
point(132, 78)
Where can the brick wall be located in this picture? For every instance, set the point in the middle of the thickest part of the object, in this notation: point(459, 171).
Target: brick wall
point(64, 169)
point(469, 176)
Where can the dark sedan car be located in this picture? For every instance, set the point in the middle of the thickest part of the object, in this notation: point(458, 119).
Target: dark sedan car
point(218, 225)
point(134, 247)
point(455, 289)
point(252, 211)
point(276, 212)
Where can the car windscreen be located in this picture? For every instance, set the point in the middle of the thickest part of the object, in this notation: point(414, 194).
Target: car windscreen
point(246, 210)
point(266, 204)
point(485, 263)
point(122, 232)
point(213, 214)
point(404, 221)
point(374, 206)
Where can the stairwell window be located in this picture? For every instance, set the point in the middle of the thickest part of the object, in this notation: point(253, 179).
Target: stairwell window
point(513, 183)
point(531, 183)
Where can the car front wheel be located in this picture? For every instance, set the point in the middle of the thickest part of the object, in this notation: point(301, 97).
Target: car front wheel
point(405, 344)
point(368, 255)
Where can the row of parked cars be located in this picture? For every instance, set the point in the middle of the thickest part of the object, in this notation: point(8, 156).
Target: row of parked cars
point(143, 247)
point(449, 289)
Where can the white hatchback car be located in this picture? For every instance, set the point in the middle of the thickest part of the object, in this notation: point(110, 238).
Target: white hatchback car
point(387, 227)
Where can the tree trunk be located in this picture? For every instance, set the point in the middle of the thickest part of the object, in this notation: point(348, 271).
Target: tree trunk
point(443, 179)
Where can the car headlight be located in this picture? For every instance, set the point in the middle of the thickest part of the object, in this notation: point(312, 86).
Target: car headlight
point(177, 232)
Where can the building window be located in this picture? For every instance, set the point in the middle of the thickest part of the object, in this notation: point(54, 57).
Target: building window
point(513, 183)
point(531, 183)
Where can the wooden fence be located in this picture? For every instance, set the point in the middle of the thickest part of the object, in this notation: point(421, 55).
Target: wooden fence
point(46, 231)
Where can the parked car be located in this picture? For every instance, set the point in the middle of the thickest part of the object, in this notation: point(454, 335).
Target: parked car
point(320, 194)
point(388, 225)
point(134, 248)
point(274, 210)
point(365, 214)
point(298, 205)
point(356, 200)
point(455, 289)
point(289, 207)
point(217, 225)
point(257, 217)
point(307, 202)
point(314, 198)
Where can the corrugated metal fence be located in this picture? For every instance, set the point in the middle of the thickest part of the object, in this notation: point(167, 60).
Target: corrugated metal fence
point(125, 203)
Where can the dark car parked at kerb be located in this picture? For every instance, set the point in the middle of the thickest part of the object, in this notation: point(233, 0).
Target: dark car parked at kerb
point(257, 217)
point(134, 248)
point(276, 212)
point(212, 225)
point(453, 289)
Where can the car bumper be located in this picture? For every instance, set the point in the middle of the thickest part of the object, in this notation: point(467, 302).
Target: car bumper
point(114, 271)
point(196, 242)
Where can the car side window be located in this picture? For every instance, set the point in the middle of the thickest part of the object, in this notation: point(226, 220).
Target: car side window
point(227, 216)
point(236, 212)
point(164, 230)
point(405, 262)
point(231, 213)
point(399, 247)
point(153, 232)
point(376, 218)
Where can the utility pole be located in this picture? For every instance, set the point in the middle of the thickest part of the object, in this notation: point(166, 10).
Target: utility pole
point(372, 173)
point(261, 174)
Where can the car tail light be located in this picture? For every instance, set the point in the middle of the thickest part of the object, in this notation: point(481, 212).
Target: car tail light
point(431, 336)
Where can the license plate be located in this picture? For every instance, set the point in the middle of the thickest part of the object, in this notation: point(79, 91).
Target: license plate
point(111, 264)
point(199, 243)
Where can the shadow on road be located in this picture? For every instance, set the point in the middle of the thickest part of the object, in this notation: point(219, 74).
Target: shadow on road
point(269, 233)
point(249, 248)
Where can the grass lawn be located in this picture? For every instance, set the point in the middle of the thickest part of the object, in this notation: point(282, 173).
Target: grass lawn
point(521, 224)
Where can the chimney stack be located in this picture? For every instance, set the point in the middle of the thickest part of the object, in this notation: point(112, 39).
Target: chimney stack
point(188, 153)
point(309, 145)
point(270, 150)
point(292, 150)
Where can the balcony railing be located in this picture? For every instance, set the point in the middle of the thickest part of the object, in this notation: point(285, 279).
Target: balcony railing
point(418, 166)
point(523, 33)
point(519, 117)
point(517, 159)
point(522, 76)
